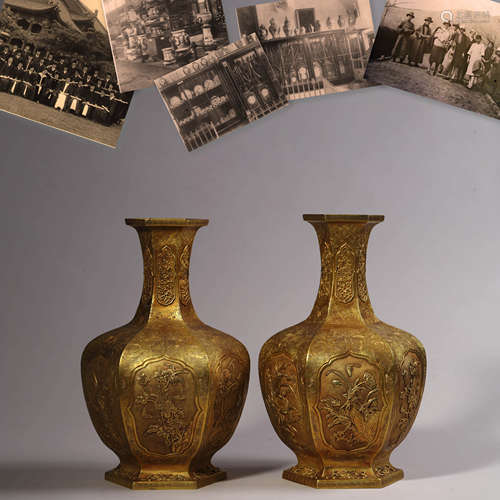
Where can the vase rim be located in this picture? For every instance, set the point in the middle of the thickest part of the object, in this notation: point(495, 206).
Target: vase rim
point(342, 218)
point(166, 222)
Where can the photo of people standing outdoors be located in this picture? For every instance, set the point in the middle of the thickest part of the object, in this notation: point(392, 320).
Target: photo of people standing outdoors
point(56, 68)
point(446, 50)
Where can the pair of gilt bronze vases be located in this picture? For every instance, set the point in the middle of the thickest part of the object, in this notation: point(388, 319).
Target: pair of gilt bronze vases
point(342, 388)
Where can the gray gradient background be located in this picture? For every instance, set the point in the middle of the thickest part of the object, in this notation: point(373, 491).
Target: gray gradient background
point(70, 269)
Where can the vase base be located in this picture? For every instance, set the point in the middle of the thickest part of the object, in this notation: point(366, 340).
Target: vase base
point(383, 476)
point(162, 481)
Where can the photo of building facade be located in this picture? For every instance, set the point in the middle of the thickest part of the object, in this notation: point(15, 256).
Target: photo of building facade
point(150, 37)
point(315, 47)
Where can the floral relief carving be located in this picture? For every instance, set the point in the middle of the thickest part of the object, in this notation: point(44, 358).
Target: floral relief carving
point(344, 474)
point(350, 403)
point(384, 470)
point(361, 267)
point(229, 398)
point(328, 474)
point(229, 395)
point(325, 283)
point(184, 295)
point(147, 257)
point(281, 398)
point(344, 273)
point(164, 406)
point(304, 470)
point(166, 272)
point(409, 396)
point(99, 384)
point(163, 477)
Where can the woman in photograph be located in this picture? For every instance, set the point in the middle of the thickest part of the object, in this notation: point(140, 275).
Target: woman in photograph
point(475, 66)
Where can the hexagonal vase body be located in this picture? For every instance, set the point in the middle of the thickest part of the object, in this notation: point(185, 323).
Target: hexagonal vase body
point(342, 388)
point(165, 391)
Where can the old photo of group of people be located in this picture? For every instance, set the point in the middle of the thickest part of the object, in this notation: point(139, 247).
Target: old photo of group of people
point(56, 68)
point(446, 50)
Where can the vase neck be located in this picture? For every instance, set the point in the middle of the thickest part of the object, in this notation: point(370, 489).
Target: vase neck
point(343, 294)
point(166, 253)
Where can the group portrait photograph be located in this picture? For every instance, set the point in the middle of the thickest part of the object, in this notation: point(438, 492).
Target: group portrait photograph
point(56, 68)
point(446, 50)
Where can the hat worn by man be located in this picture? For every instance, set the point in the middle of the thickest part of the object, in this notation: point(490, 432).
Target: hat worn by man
point(410, 14)
point(447, 23)
point(429, 19)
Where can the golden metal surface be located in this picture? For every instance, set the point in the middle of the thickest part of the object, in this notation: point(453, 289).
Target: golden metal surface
point(165, 391)
point(342, 388)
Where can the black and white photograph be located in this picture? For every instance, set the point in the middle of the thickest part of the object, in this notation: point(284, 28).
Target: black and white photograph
point(56, 68)
point(221, 92)
point(443, 49)
point(152, 37)
point(315, 47)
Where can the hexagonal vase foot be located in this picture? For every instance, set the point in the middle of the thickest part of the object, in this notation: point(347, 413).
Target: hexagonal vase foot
point(344, 478)
point(164, 481)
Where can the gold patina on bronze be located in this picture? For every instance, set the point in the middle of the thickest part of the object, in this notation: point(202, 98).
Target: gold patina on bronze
point(342, 388)
point(165, 391)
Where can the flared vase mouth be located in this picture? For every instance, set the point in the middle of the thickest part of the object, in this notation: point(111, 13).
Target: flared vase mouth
point(174, 222)
point(342, 218)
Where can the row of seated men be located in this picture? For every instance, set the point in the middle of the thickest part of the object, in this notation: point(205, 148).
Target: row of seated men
point(67, 86)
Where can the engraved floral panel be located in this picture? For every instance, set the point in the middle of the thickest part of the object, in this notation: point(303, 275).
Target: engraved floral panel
point(101, 394)
point(230, 378)
point(282, 400)
point(350, 403)
point(411, 386)
point(164, 406)
point(166, 275)
point(361, 267)
point(344, 273)
point(184, 295)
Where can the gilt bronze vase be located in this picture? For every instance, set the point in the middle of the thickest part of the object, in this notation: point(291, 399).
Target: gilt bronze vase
point(165, 391)
point(342, 388)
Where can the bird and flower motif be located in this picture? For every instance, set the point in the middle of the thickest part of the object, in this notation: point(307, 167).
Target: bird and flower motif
point(350, 403)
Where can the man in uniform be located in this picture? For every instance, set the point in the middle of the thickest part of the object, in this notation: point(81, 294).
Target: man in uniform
point(402, 46)
point(30, 82)
point(6, 70)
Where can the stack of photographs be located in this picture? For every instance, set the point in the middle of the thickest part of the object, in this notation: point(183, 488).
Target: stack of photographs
point(56, 68)
point(152, 37)
point(315, 47)
point(220, 92)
